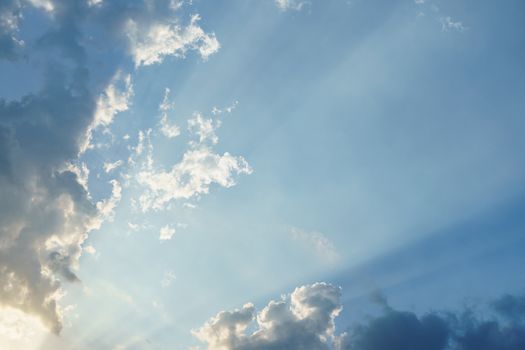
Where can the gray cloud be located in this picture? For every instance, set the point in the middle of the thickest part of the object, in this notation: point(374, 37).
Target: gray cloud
point(302, 320)
point(502, 329)
point(306, 319)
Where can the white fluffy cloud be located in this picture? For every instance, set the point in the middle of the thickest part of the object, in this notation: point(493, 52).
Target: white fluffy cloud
point(166, 233)
point(193, 175)
point(199, 168)
point(150, 45)
point(302, 320)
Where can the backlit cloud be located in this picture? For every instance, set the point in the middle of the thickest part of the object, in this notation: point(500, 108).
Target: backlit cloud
point(46, 209)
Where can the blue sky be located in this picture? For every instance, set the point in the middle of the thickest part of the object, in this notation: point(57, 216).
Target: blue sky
point(357, 162)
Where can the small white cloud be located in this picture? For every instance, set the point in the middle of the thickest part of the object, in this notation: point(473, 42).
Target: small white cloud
point(170, 130)
point(169, 277)
point(204, 128)
point(150, 45)
point(92, 3)
point(193, 175)
point(106, 207)
point(296, 5)
point(46, 5)
point(133, 227)
point(109, 167)
point(90, 249)
point(447, 23)
point(115, 99)
point(166, 233)
point(167, 129)
point(229, 109)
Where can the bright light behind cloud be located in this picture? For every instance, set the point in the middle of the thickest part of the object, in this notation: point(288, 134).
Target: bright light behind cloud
point(376, 146)
point(19, 330)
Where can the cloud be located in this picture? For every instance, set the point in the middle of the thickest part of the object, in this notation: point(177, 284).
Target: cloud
point(306, 319)
point(204, 128)
point(302, 320)
point(115, 99)
point(46, 210)
point(447, 23)
point(193, 175)
point(151, 45)
point(503, 329)
point(166, 233)
point(199, 168)
point(169, 277)
point(285, 5)
point(167, 129)
point(317, 242)
point(15, 325)
point(109, 167)
point(10, 16)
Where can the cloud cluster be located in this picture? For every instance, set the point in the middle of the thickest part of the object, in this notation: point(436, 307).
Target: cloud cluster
point(306, 318)
point(46, 210)
point(302, 320)
point(199, 168)
point(502, 329)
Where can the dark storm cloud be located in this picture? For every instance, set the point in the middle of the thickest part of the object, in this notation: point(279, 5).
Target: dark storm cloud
point(501, 329)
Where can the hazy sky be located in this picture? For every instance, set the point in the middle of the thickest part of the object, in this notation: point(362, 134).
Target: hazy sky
point(262, 174)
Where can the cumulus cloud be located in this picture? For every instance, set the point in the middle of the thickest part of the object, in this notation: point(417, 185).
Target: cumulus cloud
point(302, 320)
point(306, 319)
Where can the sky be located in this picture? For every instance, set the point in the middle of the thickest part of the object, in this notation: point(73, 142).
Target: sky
point(262, 174)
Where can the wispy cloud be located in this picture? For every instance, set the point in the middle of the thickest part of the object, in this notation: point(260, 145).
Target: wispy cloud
point(285, 5)
point(317, 242)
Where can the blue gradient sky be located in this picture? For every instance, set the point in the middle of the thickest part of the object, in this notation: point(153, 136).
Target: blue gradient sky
point(386, 142)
